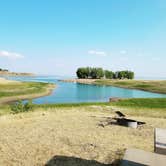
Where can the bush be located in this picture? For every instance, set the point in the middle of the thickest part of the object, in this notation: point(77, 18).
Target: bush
point(28, 106)
point(21, 107)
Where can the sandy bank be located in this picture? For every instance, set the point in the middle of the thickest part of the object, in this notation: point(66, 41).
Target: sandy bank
point(5, 81)
point(83, 81)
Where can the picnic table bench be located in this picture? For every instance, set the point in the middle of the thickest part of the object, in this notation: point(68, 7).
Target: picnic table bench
point(160, 141)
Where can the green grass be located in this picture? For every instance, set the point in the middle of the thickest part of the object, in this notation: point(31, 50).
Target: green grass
point(152, 86)
point(150, 107)
point(152, 103)
point(21, 88)
point(134, 102)
point(15, 91)
point(59, 105)
point(155, 107)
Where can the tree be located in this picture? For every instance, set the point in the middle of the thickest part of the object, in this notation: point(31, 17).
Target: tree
point(83, 72)
point(108, 74)
point(125, 74)
point(96, 73)
point(130, 75)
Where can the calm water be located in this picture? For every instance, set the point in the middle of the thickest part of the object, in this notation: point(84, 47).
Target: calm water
point(74, 92)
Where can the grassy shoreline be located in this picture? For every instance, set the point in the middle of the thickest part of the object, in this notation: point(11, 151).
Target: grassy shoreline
point(74, 131)
point(156, 86)
point(14, 90)
point(149, 107)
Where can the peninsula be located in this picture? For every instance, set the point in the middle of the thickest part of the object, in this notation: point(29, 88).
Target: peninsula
point(5, 72)
point(15, 90)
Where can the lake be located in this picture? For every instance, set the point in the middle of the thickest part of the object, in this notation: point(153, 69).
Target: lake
point(75, 92)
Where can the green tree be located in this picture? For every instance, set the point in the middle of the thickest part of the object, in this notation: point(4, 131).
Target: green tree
point(130, 75)
point(108, 74)
point(82, 72)
point(96, 73)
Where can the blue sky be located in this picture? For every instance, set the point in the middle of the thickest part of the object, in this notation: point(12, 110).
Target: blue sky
point(55, 37)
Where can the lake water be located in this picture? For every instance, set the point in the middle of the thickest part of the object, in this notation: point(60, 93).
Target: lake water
point(75, 92)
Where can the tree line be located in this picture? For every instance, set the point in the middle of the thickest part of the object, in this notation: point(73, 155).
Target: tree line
point(3, 69)
point(98, 73)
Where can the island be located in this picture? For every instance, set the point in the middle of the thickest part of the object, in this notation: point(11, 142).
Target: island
point(122, 79)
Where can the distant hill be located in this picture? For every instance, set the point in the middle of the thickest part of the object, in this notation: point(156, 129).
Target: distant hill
point(5, 72)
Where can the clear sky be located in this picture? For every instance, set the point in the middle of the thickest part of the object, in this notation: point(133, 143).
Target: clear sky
point(57, 36)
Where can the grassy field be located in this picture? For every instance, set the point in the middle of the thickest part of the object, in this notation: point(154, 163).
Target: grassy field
point(73, 134)
point(152, 86)
point(13, 90)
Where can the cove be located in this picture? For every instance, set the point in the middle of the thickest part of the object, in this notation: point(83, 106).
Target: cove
point(76, 93)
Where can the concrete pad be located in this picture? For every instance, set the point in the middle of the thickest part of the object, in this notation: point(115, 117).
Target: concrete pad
point(160, 141)
point(136, 157)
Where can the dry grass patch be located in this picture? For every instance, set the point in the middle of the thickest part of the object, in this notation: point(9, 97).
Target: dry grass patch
point(34, 138)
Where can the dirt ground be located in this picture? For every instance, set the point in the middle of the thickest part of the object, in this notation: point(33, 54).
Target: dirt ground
point(70, 137)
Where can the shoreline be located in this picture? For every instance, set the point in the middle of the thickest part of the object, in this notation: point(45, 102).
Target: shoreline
point(120, 84)
point(7, 73)
point(9, 99)
point(83, 81)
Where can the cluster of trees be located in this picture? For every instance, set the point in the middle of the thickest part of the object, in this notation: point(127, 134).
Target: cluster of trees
point(98, 73)
point(3, 69)
point(89, 72)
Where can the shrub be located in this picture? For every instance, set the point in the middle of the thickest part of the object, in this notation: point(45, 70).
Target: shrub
point(29, 106)
point(21, 107)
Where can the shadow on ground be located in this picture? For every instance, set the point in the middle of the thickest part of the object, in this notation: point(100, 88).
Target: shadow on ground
point(72, 161)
